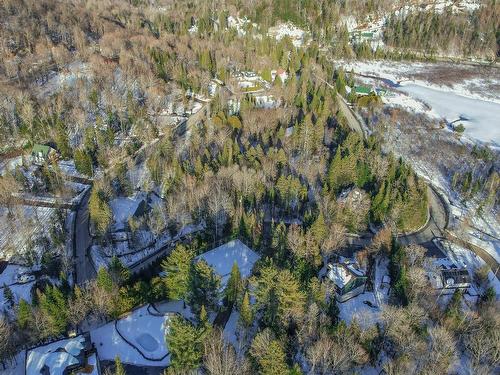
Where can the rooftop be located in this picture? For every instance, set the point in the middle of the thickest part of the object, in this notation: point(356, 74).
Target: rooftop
point(56, 357)
point(222, 258)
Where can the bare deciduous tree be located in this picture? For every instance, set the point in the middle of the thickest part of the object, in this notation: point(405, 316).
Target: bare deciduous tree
point(220, 357)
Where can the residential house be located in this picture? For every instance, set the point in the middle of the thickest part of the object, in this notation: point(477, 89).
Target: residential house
point(63, 357)
point(456, 278)
point(349, 280)
point(279, 73)
point(222, 258)
point(445, 276)
point(41, 154)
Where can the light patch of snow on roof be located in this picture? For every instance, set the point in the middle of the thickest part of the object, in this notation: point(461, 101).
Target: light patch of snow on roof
point(339, 275)
point(222, 258)
point(57, 356)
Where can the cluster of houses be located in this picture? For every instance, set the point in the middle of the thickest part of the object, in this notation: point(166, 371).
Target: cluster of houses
point(349, 279)
point(81, 354)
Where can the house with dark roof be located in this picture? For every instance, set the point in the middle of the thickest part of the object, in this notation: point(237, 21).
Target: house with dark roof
point(455, 278)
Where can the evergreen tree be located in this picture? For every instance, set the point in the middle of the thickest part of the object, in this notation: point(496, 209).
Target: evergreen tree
point(104, 280)
point(268, 354)
point(185, 343)
point(246, 315)
point(54, 307)
point(234, 285)
point(8, 295)
point(278, 295)
point(83, 162)
point(99, 211)
point(177, 267)
point(118, 272)
point(119, 369)
point(204, 286)
point(24, 314)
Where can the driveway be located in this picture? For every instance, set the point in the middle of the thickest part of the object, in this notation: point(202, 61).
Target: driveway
point(83, 268)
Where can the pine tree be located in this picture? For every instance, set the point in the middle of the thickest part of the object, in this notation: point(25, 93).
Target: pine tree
point(119, 369)
point(24, 314)
point(177, 268)
point(104, 280)
point(83, 162)
point(118, 272)
point(203, 316)
point(204, 286)
point(234, 285)
point(185, 345)
point(278, 295)
point(318, 229)
point(99, 211)
point(246, 315)
point(269, 354)
point(54, 306)
point(8, 295)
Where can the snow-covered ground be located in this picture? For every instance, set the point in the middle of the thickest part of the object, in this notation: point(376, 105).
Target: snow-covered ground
point(92, 361)
point(16, 366)
point(355, 309)
point(440, 6)
point(145, 328)
point(231, 333)
point(17, 230)
point(130, 257)
point(297, 35)
point(469, 81)
point(223, 257)
point(68, 77)
point(9, 278)
point(481, 118)
point(145, 331)
point(475, 99)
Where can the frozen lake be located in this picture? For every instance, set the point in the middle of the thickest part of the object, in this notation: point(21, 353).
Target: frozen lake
point(481, 118)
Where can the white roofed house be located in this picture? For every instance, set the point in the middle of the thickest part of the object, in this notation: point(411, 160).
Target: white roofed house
point(348, 279)
point(222, 258)
point(63, 357)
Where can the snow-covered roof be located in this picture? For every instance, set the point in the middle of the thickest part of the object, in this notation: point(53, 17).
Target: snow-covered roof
point(339, 274)
point(222, 258)
point(57, 356)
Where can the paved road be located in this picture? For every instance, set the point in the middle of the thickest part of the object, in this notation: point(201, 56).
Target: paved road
point(436, 225)
point(352, 121)
point(83, 268)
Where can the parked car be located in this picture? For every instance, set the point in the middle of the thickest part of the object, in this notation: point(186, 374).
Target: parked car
point(370, 304)
point(25, 278)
